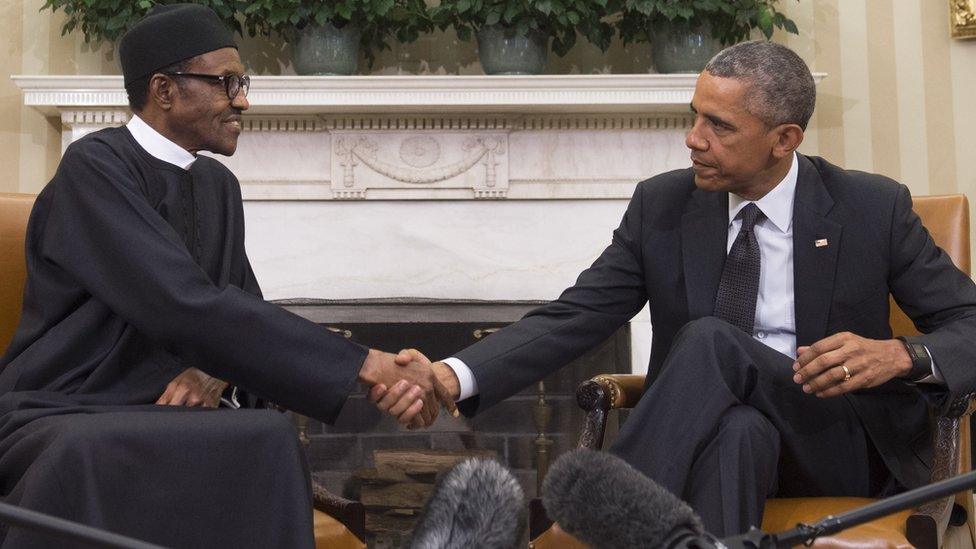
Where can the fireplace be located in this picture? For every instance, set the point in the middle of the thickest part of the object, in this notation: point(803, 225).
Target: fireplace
point(526, 431)
point(511, 428)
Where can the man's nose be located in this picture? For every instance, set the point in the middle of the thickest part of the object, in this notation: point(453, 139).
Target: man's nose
point(241, 102)
point(694, 140)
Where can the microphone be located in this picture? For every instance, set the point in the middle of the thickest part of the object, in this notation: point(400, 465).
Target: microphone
point(603, 501)
point(477, 504)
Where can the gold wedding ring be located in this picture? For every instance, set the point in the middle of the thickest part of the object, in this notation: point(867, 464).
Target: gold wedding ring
point(847, 373)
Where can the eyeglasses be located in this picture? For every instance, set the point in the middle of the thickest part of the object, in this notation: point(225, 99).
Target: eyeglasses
point(233, 83)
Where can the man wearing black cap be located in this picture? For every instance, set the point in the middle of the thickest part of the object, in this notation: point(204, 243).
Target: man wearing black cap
point(138, 291)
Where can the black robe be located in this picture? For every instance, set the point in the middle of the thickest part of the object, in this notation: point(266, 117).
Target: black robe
point(136, 271)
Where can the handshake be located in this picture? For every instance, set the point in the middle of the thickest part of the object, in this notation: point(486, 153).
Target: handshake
point(409, 387)
point(405, 385)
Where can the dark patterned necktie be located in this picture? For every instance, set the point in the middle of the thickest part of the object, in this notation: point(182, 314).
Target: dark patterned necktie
point(739, 288)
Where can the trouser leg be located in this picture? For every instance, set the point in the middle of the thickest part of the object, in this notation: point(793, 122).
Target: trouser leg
point(712, 368)
point(736, 471)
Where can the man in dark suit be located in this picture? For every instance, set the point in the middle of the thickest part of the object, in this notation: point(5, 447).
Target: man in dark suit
point(767, 275)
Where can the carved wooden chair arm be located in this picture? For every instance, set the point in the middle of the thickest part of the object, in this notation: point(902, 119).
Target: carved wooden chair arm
point(598, 396)
point(350, 513)
point(624, 389)
point(926, 527)
point(959, 405)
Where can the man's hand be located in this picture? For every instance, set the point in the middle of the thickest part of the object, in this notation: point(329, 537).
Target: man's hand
point(193, 388)
point(444, 373)
point(846, 362)
point(411, 392)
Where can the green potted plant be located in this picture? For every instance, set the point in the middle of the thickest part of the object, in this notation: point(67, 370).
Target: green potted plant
point(108, 20)
point(513, 35)
point(685, 34)
point(327, 36)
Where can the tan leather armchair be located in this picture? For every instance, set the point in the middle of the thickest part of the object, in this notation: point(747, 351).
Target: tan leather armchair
point(14, 210)
point(339, 523)
point(947, 219)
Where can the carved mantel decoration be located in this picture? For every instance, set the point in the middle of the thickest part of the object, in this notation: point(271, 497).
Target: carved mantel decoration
point(396, 160)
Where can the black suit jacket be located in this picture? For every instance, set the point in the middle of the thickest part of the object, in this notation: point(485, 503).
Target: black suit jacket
point(669, 252)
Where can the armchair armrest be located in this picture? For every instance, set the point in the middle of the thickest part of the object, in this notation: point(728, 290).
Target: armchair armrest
point(598, 396)
point(926, 527)
point(350, 513)
point(959, 405)
point(625, 389)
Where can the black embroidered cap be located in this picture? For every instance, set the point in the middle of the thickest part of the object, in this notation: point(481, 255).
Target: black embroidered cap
point(168, 34)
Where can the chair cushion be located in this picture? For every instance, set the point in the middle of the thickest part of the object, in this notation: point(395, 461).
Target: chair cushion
point(332, 534)
point(556, 538)
point(785, 513)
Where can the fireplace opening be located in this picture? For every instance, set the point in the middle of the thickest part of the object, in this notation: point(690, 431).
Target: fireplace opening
point(526, 432)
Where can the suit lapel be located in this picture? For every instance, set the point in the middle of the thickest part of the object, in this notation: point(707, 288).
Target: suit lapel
point(704, 237)
point(816, 243)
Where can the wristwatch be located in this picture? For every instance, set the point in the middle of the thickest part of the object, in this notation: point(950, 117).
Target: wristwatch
point(921, 361)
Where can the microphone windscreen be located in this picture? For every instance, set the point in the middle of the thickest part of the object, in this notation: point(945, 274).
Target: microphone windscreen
point(603, 501)
point(477, 504)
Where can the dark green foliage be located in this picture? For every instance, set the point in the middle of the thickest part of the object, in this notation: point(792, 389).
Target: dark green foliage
point(731, 21)
point(377, 19)
point(560, 19)
point(109, 19)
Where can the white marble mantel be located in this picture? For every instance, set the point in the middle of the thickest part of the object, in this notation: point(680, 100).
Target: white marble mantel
point(452, 187)
point(427, 137)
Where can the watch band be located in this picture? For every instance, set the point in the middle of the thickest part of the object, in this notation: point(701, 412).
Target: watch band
point(921, 360)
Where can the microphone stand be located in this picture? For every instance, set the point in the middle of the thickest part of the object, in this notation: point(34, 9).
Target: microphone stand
point(68, 530)
point(805, 534)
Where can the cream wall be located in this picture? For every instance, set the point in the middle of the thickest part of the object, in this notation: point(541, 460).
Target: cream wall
point(899, 99)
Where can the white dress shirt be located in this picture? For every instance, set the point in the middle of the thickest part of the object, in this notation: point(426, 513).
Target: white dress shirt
point(155, 144)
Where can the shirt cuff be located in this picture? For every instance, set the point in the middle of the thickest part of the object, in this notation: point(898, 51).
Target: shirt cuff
point(936, 377)
point(469, 385)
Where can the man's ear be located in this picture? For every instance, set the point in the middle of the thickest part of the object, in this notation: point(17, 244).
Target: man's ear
point(788, 139)
point(162, 91)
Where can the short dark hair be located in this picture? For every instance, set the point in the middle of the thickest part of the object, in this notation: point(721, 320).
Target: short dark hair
point(783, 91)
point(138, 90)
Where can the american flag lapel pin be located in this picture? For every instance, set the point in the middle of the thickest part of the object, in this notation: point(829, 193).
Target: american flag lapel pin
point(820, 242)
